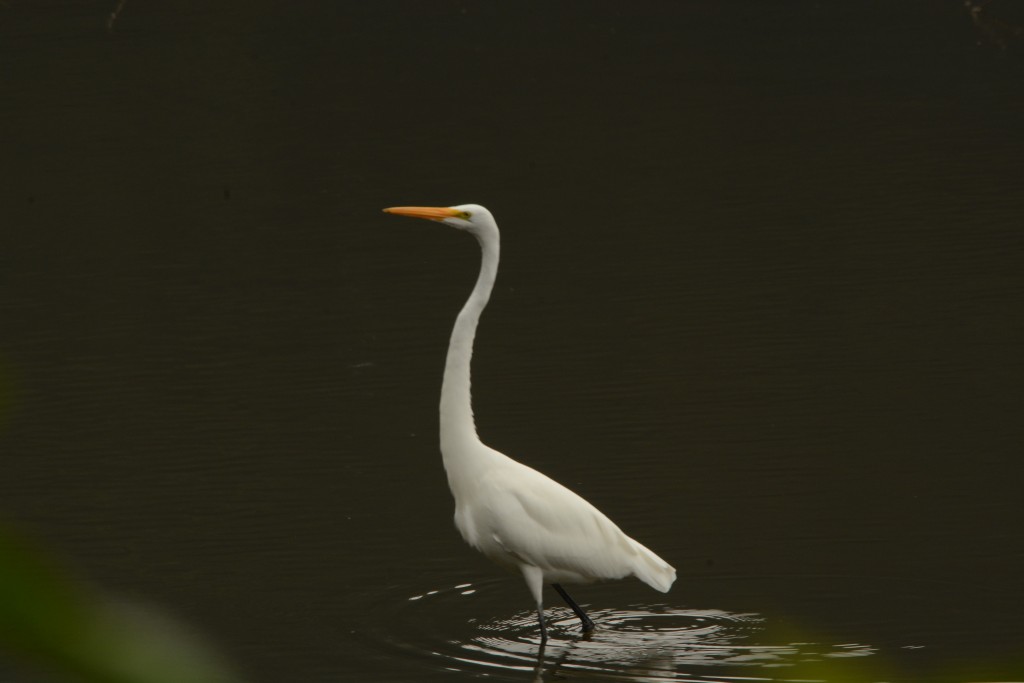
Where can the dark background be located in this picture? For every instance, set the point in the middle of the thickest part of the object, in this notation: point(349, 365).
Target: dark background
point(760, 301)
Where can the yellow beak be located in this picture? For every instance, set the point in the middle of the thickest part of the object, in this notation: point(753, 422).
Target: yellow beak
point(431, 213)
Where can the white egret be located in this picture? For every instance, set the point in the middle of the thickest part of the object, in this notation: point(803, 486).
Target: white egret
point(512, 513)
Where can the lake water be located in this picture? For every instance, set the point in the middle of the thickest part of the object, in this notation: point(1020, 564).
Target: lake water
point(760, 302)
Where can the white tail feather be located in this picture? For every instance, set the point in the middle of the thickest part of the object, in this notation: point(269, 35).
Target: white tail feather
point(652, 570)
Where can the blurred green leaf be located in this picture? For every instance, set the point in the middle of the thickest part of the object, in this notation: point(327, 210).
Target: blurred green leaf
point(61, 624)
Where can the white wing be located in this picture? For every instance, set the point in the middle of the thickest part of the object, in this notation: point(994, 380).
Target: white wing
point(539, 522)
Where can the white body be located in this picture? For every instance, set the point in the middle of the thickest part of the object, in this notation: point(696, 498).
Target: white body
point(523, 519)
point(512, 513)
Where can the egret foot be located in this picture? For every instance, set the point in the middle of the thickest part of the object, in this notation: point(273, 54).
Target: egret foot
point(587, 622)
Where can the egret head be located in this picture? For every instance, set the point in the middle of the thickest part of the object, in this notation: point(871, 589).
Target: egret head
point(472, 218)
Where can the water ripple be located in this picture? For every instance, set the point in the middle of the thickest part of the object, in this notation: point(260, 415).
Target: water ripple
point(642, 642)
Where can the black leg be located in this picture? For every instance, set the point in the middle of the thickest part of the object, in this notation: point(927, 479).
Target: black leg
point(588, 624)
point(543, 628)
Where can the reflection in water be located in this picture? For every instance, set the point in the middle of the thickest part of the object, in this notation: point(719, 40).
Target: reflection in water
point(657, 665)
point(656, 645)
point(641, 643)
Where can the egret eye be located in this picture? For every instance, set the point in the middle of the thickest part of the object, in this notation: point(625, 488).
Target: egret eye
point(464, 215)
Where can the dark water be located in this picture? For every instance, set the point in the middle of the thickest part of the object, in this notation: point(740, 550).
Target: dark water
point(760, 301)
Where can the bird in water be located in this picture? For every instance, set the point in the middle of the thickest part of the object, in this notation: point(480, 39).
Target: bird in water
point(513, 514)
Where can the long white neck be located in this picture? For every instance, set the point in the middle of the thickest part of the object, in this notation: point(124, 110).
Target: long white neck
point(458, 431)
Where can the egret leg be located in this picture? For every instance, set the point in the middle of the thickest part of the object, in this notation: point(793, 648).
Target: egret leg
point(588, 624)
point(535, 580)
